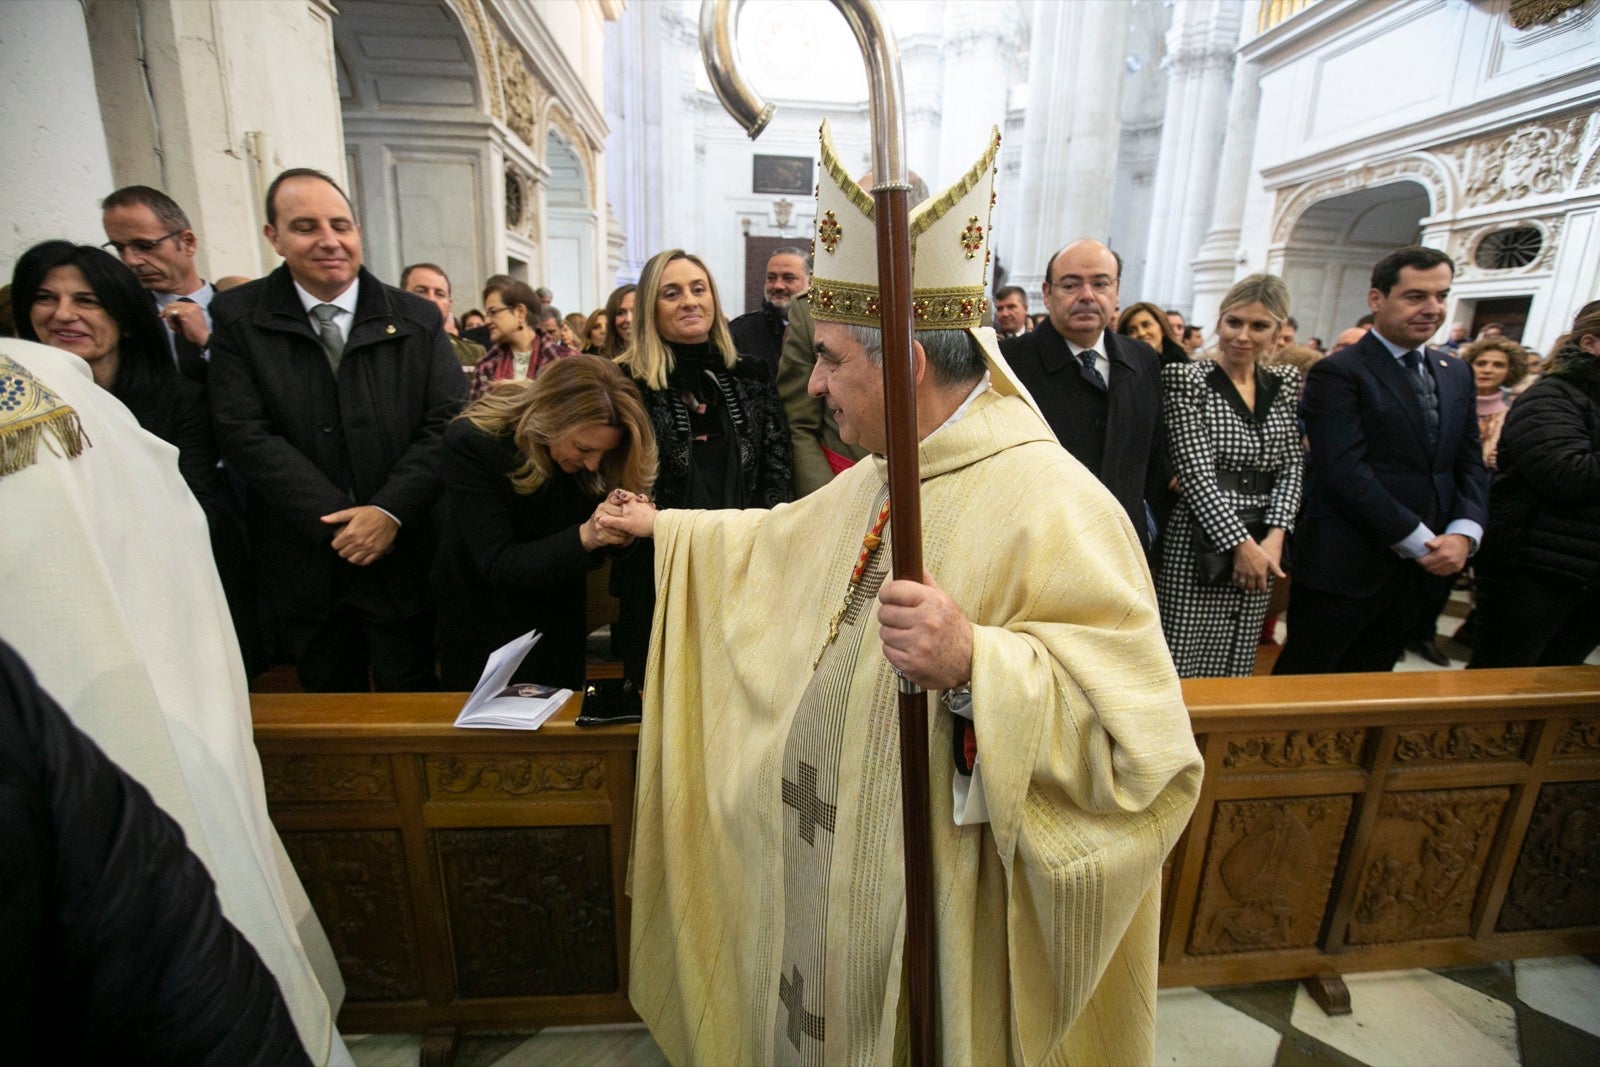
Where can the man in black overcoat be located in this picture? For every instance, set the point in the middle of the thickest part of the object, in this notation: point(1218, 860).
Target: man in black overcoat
point(331, 391)
point(1099, 391)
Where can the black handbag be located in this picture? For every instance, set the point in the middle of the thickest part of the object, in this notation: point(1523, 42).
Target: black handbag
point(1214, 566)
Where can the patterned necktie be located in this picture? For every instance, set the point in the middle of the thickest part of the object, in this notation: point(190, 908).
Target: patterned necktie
point(332, 340)
point(1427, 394)
point(191, 360)
point(1086, 357)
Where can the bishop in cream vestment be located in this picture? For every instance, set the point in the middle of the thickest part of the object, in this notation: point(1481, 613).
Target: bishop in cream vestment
point(768, 896)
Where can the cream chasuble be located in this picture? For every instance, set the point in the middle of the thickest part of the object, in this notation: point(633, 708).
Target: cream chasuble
point(112, 597)
point(768, 898)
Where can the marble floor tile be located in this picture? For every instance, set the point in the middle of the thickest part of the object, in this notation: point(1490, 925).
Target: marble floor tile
point(385, 1050)
point(1414, 1019)
point(1194, 1028)
point(625, 1045)
point(1566, 987)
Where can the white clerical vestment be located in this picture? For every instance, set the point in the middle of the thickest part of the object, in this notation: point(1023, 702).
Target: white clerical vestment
point(766, 875)
point(112, 598)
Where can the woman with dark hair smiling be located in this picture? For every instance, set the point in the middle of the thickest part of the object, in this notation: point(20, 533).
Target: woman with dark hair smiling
point(1148, 323)
point(82, 300)
point(619, 320)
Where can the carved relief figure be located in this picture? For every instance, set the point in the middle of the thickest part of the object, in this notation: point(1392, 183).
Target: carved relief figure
point(1426, 862)
point(1269, 868)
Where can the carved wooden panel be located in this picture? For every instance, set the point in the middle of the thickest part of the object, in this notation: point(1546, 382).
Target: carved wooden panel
point(1462, 741)
point(330, 777)
point(1294, 749)
point(1582, 738)
point(530, 909)
point(356, 880)
point(1556, 882)
point(1426, 860)
point(498, 777)
point(1269, 868)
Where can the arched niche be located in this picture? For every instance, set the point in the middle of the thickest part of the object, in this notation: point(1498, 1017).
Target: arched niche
point(1327, 256)
point(571, 226)
point(415, 105)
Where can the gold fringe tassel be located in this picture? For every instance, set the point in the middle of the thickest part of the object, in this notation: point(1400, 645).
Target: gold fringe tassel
point(19, 445)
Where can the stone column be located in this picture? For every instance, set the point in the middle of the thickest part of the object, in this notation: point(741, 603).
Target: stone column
point(1071, 133)
point(1211, 272)
point(979, 61)
point(1200, 45)
point(53, 182)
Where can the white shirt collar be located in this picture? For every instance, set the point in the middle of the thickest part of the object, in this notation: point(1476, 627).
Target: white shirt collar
point(201, 296)
point(1395, 350)
point(956, 415)
point(345, 301)
point(1098, 348)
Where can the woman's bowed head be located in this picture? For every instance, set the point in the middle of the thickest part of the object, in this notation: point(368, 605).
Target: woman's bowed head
point(630, 514)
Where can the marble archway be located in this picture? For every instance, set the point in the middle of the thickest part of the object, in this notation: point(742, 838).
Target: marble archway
point(1327, 253)
point(416, 122)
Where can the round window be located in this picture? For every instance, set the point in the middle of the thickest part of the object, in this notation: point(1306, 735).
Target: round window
point(1508, 249)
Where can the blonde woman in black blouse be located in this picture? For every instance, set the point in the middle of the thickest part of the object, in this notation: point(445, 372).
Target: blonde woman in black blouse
point(1235, 447)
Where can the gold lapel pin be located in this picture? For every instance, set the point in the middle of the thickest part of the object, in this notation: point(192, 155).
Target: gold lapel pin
point(390, 329)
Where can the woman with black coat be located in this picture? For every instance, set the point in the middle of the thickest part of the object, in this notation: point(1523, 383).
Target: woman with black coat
point(1538, 574)
point(526, 470)
point(721, 435)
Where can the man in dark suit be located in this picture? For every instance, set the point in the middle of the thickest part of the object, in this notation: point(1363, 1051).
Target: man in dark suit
point(1099, 391)
point(759, 333)
point(1395, 492)
point(330, 392)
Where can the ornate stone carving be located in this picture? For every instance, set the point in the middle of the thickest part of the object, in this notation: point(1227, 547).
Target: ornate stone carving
point(1463, 741)
point(498, 777)
point(1556, 882)
point(1426, 860)
point(1581, 738)
point(517, 86)
point(322, 778)
point(1528, 13)
point(1198, 60)
point(1532, 160)
point(1296, 748)
point(483, 45)
point(356, 880)
point(1293, 202)
point(530, 909)
point(1269, 868)
point(1591, 171)
point(1463, 247)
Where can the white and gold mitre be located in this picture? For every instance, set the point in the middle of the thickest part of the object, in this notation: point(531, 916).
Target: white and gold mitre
point(949, 248)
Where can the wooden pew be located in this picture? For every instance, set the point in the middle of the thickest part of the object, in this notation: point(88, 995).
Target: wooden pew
point(473, 879)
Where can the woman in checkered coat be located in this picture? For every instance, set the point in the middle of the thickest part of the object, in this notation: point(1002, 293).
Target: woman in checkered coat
point(1235, 446)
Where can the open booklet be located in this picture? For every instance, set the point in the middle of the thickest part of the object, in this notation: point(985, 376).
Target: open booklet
point(501, 705)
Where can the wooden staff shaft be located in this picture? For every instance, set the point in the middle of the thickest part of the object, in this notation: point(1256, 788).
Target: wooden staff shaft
point(905, 528)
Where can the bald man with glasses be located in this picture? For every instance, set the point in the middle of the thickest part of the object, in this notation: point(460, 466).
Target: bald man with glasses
point(1099, 391)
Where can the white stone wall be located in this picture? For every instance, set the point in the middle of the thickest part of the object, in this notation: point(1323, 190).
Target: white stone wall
point(56, 167)
point(1496, 123)
point(209, 101)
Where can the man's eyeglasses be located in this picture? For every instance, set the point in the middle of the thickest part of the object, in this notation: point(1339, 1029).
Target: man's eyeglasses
point(1100, 283)
point(138, 244)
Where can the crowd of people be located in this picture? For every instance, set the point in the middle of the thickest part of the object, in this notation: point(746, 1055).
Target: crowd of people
point(392, 493)
point(393, 490)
